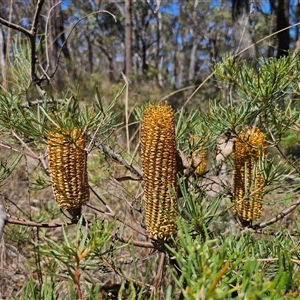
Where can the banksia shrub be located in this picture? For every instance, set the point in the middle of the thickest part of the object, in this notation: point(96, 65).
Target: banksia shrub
point(68, 169)
point(248, 180)
point(158, 149)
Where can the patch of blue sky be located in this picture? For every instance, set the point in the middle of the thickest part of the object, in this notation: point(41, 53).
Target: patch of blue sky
point(172, 7)
point(65, 4)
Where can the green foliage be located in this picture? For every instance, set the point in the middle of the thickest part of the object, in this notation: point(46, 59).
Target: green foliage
point(7, 167)
point(20, 67)
point(63, 261)
point(213, 254)
point(220, 268)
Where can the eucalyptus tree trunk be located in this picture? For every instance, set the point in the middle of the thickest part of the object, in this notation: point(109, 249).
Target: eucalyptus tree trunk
point(241, 29)
point(194, 45)
point(159, 59)
point(280, 16)
point(282, 23)
point(90, 52)
point(272, 41)
point(56, 36)
point(193, 58)
point(2, 54)
point(128, 38)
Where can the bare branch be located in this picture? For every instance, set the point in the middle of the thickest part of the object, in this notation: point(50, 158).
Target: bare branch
point(120, 159)
point(17, 221)
point(31, 34)
point(141, 244)
point(31, 153)
point(15, 27)
point(74, 25)
point(159, 274)
point(46, 38)
point(36, 17)
point(32, 38)
point(110, 211)
point(116, 218)
point(280, 216)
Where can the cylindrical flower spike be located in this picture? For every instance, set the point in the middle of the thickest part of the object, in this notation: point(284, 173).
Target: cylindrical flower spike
point(158, 149)
point(249, 148)
point(68, 169)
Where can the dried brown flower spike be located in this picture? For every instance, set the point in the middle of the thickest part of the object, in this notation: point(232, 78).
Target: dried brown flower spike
point(68, 170)
point(158, 148)
point(248, 180)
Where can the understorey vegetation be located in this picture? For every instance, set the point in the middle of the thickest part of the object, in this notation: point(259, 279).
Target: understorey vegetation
point(103, 198)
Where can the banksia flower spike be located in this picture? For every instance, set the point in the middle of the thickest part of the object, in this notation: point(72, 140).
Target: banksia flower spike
point(248, 180)
point(68, 169)
point(158, 149)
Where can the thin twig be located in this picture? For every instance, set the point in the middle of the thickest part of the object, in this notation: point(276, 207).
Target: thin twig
point(38, 259)
point(236, 55)
point(46, 37)
point(41, 158)
point(77, 276)
point(74, 25)
point(16, 205)
point(176, 92)
point(271, 233)
point(24, 145)
point(280, 216)
point(36, 17)
point(17, 221)
point(114, 269)
point(126, 111)
point(266, 37)
point(117, 218)
point(133, 169)
point(159, 274)
point(197, 89)
point(31, 34)
point(15, 27)
point(276, 144)
point(7, 146)
point(111, 213)
point(271, 259)
point(136, 243)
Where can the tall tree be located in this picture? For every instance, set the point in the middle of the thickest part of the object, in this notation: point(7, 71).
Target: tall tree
point(192, 66)
point(56, 35)
point(2, 53)
point(241, 28)
point(128, 38)
point(282, 12)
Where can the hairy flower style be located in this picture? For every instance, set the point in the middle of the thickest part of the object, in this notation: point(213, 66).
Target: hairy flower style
point(68, 168)
point(158, 148)
point(248, 180)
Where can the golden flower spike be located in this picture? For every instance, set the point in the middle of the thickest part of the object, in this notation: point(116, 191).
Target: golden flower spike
point(158, 149)
point(68, 170)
